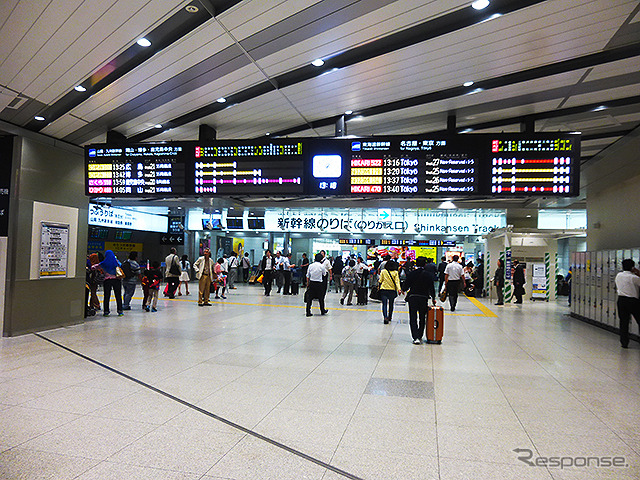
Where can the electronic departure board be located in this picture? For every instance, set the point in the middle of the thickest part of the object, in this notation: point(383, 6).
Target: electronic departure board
point(489, 165)
point(533, 166)
point(234, 168)
point(135, 170)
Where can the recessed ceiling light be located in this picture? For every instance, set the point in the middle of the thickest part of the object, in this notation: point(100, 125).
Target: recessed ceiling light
point(528, 216)
point(39, 118)
point(80, 88)
point(447, 204)
point(157, 126)
point(267, 134)
point(143, 42)
point(221, 100)
point(348, 112)
point(480, 4)
point(318, 62)
point(467, 84)
point(191, 9)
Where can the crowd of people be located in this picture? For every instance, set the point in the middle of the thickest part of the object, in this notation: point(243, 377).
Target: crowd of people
point(350, 276)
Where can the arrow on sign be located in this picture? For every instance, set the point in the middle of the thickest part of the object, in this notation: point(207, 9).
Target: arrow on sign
point(383, 214)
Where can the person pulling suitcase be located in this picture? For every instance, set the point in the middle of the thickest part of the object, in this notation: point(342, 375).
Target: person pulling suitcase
point(420, 288)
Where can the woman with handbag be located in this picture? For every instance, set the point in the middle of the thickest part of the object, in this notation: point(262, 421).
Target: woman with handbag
point(389, 288)
point(112, 281)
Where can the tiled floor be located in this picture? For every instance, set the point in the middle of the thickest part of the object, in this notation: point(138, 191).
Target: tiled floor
point(263, 392)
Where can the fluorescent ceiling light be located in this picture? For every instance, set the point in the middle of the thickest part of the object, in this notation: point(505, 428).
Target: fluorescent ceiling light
point(318, 62)
point(466, 130)
point(80, 88)
point(221, 100)
point(39, 118)
point(143, 42)
point(600, 108)
point(467, 84)
point(480, 4)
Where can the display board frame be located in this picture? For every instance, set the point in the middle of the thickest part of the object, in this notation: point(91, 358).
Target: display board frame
point(54, 256)
point(395, 166)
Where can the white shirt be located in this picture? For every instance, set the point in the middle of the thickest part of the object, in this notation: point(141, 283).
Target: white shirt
point(316, 272)
point(286, 264)
point(627, 284)
point(233, 262)
point(360, 267)
point(326, 264)
point(454, 270)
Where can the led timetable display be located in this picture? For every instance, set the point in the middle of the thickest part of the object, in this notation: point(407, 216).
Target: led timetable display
point(228, 169)
point(135, 170)
point(428, 166)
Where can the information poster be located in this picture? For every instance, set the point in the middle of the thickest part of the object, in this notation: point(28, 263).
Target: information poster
point(54, 250)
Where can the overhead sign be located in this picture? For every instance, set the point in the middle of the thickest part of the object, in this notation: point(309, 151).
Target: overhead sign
point(400, 221)
point(466, 165)
point(171, 239)
point(106, 216)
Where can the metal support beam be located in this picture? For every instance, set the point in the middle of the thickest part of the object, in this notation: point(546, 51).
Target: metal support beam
point(528, 125)
point(451, 123)
point(206, 133)
point(115, 137)
point(341, 127)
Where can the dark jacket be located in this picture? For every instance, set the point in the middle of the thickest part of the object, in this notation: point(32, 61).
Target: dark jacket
point(432, 270)
point(518, 275)
point(419, 282)
point(442, 266)
point(498, 278)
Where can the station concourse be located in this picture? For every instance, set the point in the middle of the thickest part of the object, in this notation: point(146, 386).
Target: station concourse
point(494, 130)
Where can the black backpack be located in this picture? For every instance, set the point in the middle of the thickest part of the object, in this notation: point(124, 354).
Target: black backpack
point(127, 270)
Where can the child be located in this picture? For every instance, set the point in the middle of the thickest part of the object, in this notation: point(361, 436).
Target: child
point(221, 279)
point(151, 281)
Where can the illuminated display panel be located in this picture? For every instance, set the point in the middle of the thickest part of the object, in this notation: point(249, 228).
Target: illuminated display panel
point(535, 166)
point(135, 170)
point(411, 167)
point(235, 168)
point(544, 164)
point(356, 241)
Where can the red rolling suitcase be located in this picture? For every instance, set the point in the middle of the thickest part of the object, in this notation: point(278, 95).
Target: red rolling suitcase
point(435, 325)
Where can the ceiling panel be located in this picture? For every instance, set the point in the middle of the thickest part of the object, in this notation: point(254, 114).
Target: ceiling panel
point(113, 32)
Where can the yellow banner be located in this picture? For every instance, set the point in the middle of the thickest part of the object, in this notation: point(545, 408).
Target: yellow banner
point(427, 252)
point(123, 246)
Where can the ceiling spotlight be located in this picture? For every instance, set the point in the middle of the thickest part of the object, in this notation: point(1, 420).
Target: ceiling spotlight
point(191, 9)
point(157, 126)
point(480, 4)
point(348, 112)
point(79, 88)
point(267, 134)
point(318, 62)
point(221, 100)
point(143, 42)
point(39, 118)
point(528, 216)
point(467, 84)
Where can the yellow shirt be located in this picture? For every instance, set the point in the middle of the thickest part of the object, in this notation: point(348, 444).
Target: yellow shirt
point(390, 280)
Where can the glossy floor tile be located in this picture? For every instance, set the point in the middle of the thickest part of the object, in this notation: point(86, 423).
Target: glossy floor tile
point(251, 388)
